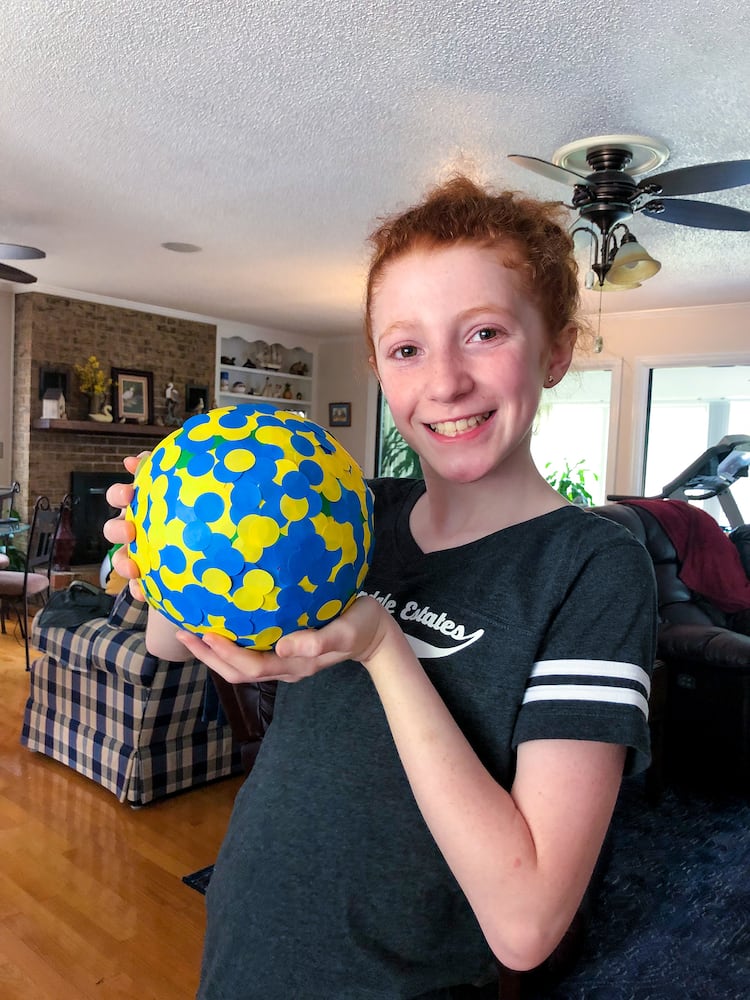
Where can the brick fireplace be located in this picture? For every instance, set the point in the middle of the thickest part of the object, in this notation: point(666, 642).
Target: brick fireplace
point(55, 333)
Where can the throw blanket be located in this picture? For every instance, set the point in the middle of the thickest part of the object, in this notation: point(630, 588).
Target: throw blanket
point(710, 563)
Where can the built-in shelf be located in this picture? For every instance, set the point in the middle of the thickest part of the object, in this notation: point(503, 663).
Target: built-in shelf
point(230, 398)
point(276, 373)
point(100, 427)
point(257, 371)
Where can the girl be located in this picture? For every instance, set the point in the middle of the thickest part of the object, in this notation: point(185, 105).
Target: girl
point(445, 757)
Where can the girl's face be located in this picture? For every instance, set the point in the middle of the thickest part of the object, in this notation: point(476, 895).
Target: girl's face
point(462, 354)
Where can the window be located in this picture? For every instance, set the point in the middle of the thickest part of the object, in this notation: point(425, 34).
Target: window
point(690, 409)
point(573, 429)
point(393, 455)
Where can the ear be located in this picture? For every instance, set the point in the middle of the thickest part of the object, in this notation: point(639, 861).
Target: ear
point(561, 352)
point(374, 365)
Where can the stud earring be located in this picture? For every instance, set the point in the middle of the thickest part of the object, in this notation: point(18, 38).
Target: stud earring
point(550, 379)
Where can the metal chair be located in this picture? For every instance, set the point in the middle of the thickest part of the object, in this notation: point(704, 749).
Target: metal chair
point(18, 588)
point(7, 518)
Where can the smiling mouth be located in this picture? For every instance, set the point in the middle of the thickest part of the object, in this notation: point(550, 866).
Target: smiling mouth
point(451, 428)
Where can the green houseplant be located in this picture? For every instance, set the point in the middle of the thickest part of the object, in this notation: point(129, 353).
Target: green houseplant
point(571, 482)
point(397, 458)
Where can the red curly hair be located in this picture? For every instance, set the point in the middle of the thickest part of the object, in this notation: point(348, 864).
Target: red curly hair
point(532, 233)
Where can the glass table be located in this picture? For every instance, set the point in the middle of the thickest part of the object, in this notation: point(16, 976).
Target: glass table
point(10, 529)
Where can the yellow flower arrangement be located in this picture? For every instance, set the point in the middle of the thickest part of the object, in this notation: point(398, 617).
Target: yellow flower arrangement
point(91, 377)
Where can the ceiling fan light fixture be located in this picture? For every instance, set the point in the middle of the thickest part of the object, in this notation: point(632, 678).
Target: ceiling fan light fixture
point(632, 264)
point(610, 286)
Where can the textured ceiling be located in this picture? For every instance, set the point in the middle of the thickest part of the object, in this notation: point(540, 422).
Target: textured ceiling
point(274, 133)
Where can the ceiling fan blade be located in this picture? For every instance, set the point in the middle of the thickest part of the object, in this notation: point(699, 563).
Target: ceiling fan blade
point(8, 273)
point(548, 170)
point(700, 214)
point(701, 178)
point(15, 251)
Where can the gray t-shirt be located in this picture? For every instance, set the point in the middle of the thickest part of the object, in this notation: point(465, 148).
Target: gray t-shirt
point(329, 885)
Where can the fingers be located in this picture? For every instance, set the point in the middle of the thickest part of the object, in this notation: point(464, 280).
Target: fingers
point(119, 531)
point(354, 635)
point(235, 664)
point(124, 565)
point(120, 494)
point(132, 462)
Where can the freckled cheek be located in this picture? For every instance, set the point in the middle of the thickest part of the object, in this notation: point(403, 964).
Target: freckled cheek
point(517, 384)
point(399, 390)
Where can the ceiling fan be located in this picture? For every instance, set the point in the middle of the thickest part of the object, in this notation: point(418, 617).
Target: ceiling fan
point(15, 251)
point(602, 171)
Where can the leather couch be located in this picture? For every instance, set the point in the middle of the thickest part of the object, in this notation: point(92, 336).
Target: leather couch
point(705, 653)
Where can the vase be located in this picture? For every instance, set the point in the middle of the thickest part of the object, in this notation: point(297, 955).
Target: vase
point(96, 402)
point(65, 542)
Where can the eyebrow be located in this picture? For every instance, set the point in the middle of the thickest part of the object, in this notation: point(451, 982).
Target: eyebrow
point(406, 326)
point(399, 326)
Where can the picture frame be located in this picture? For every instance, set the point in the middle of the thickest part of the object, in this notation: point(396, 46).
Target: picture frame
point(132, 396)
point(339, 414)
point(194, 394)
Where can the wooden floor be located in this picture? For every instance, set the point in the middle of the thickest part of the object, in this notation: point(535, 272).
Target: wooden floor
point(91, 899)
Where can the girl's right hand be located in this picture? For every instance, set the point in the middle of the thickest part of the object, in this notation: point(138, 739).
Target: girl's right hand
point(122, 532)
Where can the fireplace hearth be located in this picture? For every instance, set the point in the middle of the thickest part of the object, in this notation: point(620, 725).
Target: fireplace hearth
point(90, 511)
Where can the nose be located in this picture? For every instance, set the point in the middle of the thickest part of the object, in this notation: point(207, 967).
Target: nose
point(449, 377)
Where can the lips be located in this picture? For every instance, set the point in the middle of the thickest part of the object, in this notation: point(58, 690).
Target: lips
point(451, 428)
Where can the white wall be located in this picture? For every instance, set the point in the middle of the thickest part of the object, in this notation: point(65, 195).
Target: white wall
point(640, 340)
point(344, 377)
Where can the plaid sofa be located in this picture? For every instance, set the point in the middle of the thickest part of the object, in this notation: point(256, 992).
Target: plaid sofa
point(100, 703)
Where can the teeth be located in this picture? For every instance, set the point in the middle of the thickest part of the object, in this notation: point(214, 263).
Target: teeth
point(450, 428)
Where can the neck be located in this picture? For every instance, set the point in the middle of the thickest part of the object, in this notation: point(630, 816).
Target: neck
point(450, 514)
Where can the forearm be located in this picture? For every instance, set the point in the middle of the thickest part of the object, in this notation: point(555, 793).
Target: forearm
point(523, 895)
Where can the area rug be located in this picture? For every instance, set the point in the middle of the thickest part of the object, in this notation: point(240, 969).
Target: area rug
point(671, 920)
point(199, 880)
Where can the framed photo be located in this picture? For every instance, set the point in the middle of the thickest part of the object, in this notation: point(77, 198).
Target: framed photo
point(196, 399)
point(339, 414)
point(132, 396)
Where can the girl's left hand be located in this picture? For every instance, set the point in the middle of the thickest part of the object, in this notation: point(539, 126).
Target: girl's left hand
point(358, 634)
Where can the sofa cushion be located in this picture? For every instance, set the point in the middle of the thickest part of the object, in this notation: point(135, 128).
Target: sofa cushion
point(708, 647)
point(97, 645)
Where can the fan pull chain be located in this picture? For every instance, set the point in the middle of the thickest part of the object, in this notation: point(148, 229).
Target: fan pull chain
point(599, 340)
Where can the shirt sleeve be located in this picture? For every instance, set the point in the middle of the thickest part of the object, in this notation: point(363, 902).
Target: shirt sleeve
point(592, 677)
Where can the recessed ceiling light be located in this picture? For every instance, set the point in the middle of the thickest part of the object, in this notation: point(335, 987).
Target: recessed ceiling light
point(182, 247)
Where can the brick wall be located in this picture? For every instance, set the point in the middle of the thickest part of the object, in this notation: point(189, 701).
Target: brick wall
point(55, 332)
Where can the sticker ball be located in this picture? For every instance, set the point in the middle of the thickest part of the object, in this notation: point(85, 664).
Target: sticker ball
point(250, 522)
